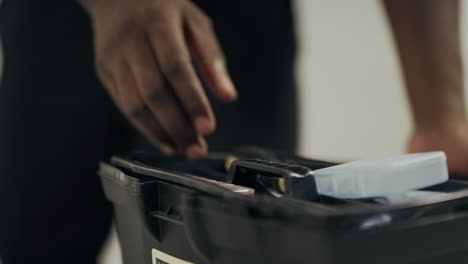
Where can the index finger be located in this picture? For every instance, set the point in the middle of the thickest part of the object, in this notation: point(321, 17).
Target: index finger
point(205, 47)
point(174, 60)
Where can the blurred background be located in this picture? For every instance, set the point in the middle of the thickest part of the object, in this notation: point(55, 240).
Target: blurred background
point(353, 101)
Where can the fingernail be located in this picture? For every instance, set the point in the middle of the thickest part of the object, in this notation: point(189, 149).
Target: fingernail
point(203, 125)
point(229, 86)
point(225, 81)
point(195, 152)
point(169, 151)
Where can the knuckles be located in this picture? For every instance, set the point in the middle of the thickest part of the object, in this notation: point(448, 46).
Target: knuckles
point(202, 20)
point(138, 113)
point(196, 108)
point(176, 68)
point(155, 95)
point(133, 27)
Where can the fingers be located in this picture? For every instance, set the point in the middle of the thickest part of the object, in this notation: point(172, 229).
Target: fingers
point(174, 60)
point(162, 102)
point(155, 83)
point(134, 108)
point(205, 48)
point(107, 79)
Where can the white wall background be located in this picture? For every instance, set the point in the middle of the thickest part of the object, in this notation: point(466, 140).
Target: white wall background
point(353, 102)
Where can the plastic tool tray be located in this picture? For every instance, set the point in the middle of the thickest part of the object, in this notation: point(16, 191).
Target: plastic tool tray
point(170, 210)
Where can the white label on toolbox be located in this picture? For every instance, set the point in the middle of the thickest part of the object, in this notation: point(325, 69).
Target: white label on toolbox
point(163, 258)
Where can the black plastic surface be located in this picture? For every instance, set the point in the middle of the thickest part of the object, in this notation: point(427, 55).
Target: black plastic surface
point(159, 206)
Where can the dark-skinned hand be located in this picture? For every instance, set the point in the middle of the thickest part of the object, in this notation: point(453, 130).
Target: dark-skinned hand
point(146, 52)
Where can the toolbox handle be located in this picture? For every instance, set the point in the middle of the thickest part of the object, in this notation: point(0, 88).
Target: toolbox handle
point(169, 216)
point(294, 181)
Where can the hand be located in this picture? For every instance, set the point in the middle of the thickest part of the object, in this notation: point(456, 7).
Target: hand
point(144, 52)
point(451, 138)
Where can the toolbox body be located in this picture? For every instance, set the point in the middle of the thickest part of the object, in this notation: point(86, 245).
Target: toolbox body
point(163, 215)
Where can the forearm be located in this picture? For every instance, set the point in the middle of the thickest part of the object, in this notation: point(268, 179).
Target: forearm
point(427, 35)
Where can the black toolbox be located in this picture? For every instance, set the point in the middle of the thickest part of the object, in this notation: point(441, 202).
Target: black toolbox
point(174, 211)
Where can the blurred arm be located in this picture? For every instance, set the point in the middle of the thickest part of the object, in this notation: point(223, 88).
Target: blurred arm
point(427, 34)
